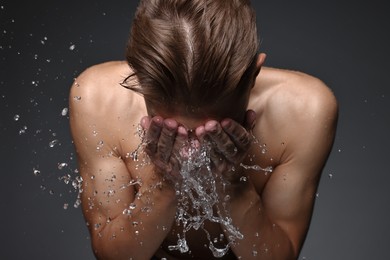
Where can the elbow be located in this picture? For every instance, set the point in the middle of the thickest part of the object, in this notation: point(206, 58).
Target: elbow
point(98, 246)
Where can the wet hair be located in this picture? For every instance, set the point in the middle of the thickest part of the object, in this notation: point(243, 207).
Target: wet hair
point(192, 52)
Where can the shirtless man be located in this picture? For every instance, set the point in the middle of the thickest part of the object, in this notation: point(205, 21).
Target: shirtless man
point(200, 78)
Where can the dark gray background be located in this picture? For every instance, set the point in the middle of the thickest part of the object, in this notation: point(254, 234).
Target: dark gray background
point(346, 45)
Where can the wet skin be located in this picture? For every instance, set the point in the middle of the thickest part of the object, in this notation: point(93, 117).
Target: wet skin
point(295, 117)
point(231, 142)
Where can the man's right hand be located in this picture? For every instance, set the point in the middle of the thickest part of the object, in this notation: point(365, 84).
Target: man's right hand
point(164, 139)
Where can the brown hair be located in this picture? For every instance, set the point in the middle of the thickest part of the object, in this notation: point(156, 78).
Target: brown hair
point(192, 52)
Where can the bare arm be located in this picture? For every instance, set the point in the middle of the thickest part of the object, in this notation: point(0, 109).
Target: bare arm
point(125, 220)
point(275, 222)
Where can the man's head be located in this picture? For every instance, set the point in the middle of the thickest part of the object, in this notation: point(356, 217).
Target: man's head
point(194, 58)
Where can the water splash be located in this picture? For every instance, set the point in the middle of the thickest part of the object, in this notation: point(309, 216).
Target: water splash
point(200, 199)
point(256, 167)
point(200, 193)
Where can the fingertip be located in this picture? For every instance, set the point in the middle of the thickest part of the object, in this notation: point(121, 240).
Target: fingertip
point(226, 122)
point(200, 131)
point(170, 123)
point(182, 131)
point(158, 120)
point(145, 122)
point(211, 126)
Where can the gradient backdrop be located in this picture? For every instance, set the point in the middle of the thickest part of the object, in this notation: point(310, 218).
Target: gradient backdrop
point(45, 44)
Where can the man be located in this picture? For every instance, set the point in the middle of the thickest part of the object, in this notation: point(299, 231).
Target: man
point(196, 68)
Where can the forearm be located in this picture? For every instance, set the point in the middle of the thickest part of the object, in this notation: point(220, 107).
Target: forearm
point(263, 239)
point(136, 234)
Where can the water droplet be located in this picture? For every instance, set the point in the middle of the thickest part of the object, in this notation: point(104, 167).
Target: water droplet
point(66, 205)
point(77, 203)
point(76, 84)
point(132, 206)
point(65, 178)
point(97, 226)
point(77, 98)
point(100, 145)
point(110, 193)
point(146, 209)
point(64, 111)
point(126, 212)
point(62, 165)
point(330, 175)
point(16, 117)
point(254, 253)
point(72, 47)
point(23, 130)
point(53, 143)
point(36, 172)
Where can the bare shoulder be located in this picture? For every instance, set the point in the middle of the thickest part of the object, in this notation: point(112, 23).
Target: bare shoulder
point(295, 109)
point(293, 96)
point(99, 83)
point(99, 104)
point(97, 92)
point(295, 91)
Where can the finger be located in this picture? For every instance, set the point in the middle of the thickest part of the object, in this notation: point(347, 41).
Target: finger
point(166, 140)
point(217, 135)
point(152, 134)
point(200, 133)
point(238, 134)
point(145, 122)
point(177, 153)
point(250, 120)
point(218, 162)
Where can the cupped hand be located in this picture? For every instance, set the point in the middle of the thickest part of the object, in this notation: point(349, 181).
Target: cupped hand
point(164, 139)
point(230, 144)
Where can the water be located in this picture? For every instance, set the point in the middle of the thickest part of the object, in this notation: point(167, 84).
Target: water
point(200, 196)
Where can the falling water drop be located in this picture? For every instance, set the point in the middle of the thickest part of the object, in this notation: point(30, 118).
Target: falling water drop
point(62, 165)
point(23, 130)
point(64, 111)
point(53, 143)
point(36, 172)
